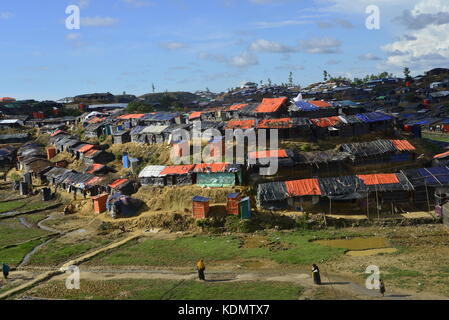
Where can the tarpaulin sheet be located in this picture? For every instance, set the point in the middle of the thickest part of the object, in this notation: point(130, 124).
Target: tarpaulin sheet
point(369, 149)
point(326, 122)
point(305, 106)
point(282, 153)
point(283, 123)
point(272, 191)
point(342, 188)
point(436, 176)
point(271, 104)
point(118, 183)
point(86, 148)
point(194, 115)
point(372, 179)
point(131, 116)
point(374, 117)
point(441, 155)
point(183, 169)
point(403, 145)
point(320, 104)
point(304, 187)
point(236, 107)
point(240, 124)
point(211, 167)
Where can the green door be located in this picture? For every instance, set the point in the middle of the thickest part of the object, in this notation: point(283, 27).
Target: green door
point(245, 208)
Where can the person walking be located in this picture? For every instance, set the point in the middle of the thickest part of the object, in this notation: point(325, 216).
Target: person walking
point(200, 266)
point(382, 287)
point(5, 269)
point(316, 274)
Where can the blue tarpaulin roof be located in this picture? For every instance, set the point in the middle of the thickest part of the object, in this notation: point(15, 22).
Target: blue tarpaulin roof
point(200, 199)
point(305, 106)
point(159, 116)
point(435, 176)
point(374, 117)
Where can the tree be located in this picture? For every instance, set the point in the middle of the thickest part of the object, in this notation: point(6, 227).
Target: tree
point(407, 73)
point(325, 75)
point(290, 79)
point(153, 87)
point(139, 106)
point(269, 82)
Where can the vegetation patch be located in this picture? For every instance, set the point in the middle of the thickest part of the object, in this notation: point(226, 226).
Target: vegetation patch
point(169, 290)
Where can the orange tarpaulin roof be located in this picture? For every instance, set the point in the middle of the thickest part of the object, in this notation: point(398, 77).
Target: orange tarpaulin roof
point(275, 123)
point(304, 187)
point(240, 124)
point(268, 154)
point(211, 167)
point(271, 104)
point(184, 169)
point(320, 104)
point(326, 122)
point(403, 145)
point(94, 181)
point(373, 179)
point(86, 148)
point(131, 116)
point(236, 107)
point(96, 120)
point(95, 167)
point(441, 155)
point(195, 115)
point(117, 183)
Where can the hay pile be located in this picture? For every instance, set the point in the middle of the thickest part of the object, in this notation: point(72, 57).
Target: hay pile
point(179, 199)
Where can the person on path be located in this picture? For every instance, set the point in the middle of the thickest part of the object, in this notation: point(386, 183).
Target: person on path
point(5, 269)
point(316, 274)
point(382, 287)
point(200, 266)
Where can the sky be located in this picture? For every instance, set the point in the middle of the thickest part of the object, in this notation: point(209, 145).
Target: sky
point(189, 45)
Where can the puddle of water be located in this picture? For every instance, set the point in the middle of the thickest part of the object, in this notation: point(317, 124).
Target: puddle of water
point(370, 252)
point(356, 243)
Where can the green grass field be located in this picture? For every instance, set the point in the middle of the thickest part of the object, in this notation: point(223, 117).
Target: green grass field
point(13, 256)
point(57, 252)
point(11, 206)
point(170, 290)
point(12, 232)
point(292, 248)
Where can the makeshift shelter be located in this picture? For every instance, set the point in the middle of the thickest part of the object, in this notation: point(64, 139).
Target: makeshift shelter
point(272, 195)
point(14, 138)
point(377, 121)
point(97, 156)
point(120, 137)
point(218, 174)
point(336, 126)
point(124, 186)
point(200, 207)
point(122, 206)
point(151, 176)
point(272, 107)
point(179, 175)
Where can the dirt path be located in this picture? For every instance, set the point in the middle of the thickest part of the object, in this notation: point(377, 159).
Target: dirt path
point(339, 288)
point(50, 274)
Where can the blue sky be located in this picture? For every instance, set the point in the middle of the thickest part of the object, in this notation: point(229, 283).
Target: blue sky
point(126, 45)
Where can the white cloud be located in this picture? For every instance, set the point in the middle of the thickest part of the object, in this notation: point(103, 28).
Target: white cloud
point(243, 60)
point(262, 45)
point(173, 45)
point(138, 3)
point(369, 56)
point(320, 45)
point(73, 36)
point(278, 24)
point(422, 49)
point(98, 21)
point(5, 15)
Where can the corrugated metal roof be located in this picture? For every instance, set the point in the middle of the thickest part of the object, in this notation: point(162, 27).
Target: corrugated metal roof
point(151, 171)
point(154, 129)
